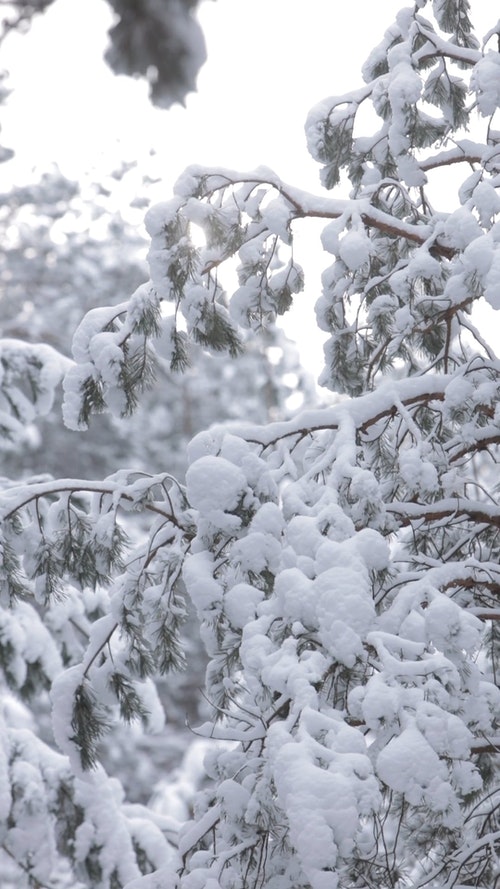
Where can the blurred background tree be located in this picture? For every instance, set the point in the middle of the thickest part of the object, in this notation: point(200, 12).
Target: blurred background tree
point(159, 40)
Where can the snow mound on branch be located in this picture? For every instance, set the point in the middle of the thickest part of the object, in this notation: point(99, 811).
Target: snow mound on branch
point(323, 804)
point(355, 249)
point(451, 628)
point(408, 765)
point(486, 82)
point(344, 609)
point(214, 483)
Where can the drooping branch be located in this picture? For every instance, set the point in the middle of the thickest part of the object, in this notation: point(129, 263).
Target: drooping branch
point(304, 205)
point(365, 411)
point(487, 613)
point(465, 151)
point(16, 498)
point(440, 47)
point(483, 440)
point(454, 507)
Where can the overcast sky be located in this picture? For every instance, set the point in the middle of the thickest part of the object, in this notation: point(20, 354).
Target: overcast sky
point(268, 62)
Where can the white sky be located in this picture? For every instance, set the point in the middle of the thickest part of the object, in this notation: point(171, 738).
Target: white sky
point(268, 62)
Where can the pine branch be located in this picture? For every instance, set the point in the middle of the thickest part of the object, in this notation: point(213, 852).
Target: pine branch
point(305, 205)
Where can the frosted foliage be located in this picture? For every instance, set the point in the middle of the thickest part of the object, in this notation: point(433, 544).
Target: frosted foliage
point(486, 83)
point(215, 484)
point(340, 568)
point(29, 376)
point(409, 765)
point(354, 249)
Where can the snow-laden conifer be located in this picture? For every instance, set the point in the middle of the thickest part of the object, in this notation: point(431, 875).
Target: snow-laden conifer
point(343, 563)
